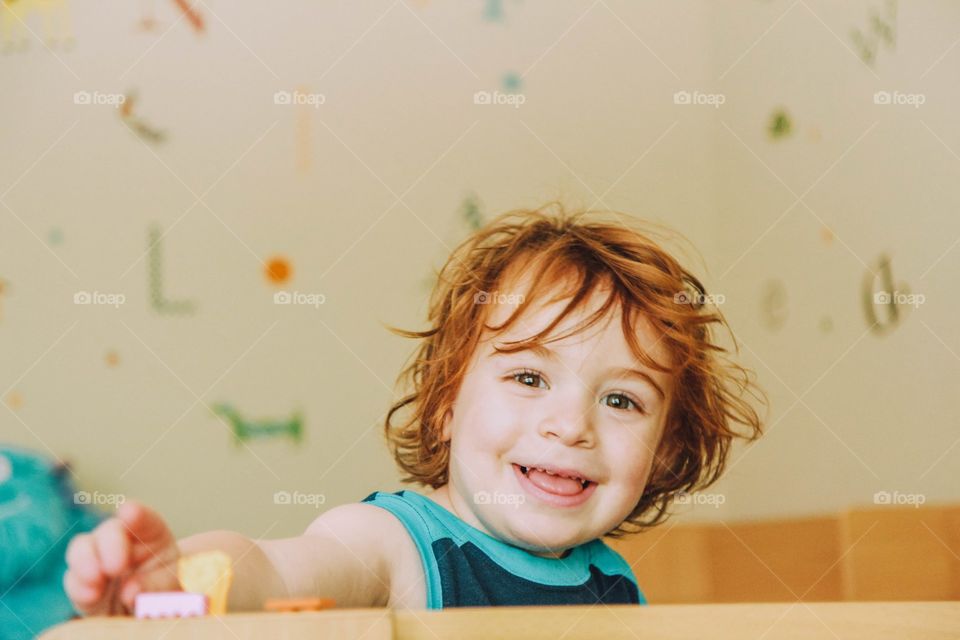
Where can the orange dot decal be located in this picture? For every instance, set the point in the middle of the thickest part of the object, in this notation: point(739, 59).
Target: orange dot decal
point(14, 400)
point(278, 270)
point(112, 358)
point(826, 234)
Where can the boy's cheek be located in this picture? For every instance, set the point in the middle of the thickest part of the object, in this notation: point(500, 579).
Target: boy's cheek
point(631, 464)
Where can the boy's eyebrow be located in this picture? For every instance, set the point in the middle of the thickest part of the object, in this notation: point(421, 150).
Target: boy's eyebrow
point(620, 372)
point(640, 375)
point(538, 349)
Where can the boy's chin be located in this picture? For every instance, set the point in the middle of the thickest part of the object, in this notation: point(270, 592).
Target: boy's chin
point(543, 535)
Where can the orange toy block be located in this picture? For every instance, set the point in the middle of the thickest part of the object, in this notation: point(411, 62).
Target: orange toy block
point(299, 604)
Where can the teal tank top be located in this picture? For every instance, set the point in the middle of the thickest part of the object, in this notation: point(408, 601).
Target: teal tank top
point(466, 567)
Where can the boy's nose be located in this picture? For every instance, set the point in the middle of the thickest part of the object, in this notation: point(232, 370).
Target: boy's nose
point(572, 427)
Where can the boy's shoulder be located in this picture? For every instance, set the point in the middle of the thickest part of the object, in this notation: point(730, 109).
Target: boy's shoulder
point(377, 534)
point(357, 522)
point(352, 518)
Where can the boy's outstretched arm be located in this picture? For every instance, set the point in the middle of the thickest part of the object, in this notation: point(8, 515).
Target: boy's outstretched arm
point(344, 554)
point(340, 556)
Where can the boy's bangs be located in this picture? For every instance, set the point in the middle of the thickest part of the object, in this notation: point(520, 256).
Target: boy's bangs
point(577, 286)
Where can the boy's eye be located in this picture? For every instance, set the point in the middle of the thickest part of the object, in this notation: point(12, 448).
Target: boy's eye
point(534, 379)
point(623, 402)
point(529, 379)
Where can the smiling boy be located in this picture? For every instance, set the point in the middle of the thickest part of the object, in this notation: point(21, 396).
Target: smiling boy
point(568, 389)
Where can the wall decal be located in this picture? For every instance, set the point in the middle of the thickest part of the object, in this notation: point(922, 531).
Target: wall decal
point(773, 304)
point(883, 300)
point(54, 22)
point(881, 29)
point(470, 210)
point(826, 235)
point(191, 15)
point(493, 10)
point(244, 429)
point(278, 270)
point(780, 125)
point(145, 131)
point(4, 289)
point(512, 82)
point(14, 400)
point(826, 324)
point(155, 282)
point(147, 22)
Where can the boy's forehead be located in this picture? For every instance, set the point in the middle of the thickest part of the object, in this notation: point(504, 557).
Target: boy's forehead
point(544, 309)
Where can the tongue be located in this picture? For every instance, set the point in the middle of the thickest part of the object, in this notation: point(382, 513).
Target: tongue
point(554, 484)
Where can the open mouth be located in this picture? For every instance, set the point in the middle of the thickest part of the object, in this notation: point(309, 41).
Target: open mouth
point(561, 482)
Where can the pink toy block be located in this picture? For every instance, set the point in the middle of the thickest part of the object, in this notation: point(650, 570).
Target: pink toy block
point(170, 604)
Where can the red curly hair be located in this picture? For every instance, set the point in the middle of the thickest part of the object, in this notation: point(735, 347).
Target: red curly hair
point(583, 250)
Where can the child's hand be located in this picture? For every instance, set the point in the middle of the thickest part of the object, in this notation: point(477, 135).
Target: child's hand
point(132, 552)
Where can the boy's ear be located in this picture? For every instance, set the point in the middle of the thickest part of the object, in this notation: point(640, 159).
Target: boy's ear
point(445, 430)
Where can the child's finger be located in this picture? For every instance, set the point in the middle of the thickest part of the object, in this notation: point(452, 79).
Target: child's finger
point(113, 547)
point(84, 595)
point(162, 577)
point(144, 525)
point(84, 562)
point(129, 591)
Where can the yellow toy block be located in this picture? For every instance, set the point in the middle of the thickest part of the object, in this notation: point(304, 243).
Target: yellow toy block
point(209, 573)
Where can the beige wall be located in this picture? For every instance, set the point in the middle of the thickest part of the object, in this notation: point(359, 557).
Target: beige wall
point(876, 411)
point(599, 127)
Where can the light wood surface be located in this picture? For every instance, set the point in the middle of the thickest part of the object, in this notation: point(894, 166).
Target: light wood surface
point(771, 621)
point(369, 624)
